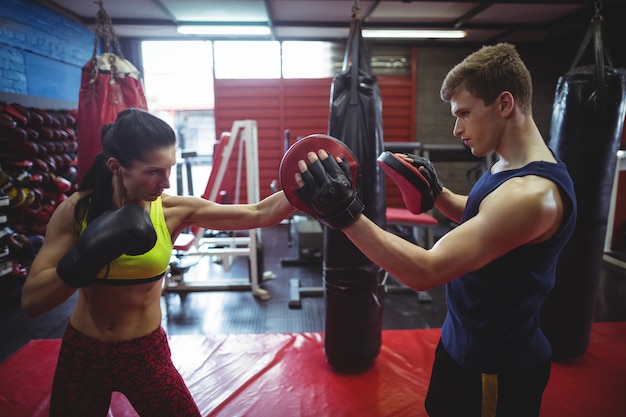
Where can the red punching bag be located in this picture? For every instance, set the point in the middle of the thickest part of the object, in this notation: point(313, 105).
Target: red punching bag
point(109, 84)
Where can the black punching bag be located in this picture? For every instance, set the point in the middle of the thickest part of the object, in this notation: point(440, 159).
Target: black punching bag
point(587, 122)
point(352, 283)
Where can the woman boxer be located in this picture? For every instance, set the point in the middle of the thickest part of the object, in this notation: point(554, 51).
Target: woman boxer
point(112, 241)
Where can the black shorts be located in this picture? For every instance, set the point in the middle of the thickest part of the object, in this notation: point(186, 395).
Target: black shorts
point(458, 392)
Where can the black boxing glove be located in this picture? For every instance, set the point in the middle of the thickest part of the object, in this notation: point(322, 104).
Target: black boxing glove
point(419, 187)
point(127, 230)
point(328, 190)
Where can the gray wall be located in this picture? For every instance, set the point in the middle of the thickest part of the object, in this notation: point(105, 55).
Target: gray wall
point(434, 122)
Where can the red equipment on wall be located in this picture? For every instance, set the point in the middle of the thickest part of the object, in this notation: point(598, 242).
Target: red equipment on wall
point(109, 84)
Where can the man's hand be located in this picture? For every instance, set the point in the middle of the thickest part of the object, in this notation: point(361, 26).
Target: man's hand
point(416, 178)
point(326, 187)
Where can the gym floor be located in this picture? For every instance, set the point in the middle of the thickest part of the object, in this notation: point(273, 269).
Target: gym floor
point(216, 312)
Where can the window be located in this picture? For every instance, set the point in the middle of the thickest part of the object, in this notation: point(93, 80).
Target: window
point(178, 74)
point(178, 84)
point(247, 59)
point(308, 60)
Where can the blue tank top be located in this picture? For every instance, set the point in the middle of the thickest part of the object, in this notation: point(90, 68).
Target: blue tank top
point(492, 322)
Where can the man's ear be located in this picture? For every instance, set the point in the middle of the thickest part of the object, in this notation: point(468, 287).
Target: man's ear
point(506, 102)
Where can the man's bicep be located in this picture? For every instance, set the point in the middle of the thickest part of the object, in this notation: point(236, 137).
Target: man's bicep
point(468, 247)
point(518, 213)
point(502, 224)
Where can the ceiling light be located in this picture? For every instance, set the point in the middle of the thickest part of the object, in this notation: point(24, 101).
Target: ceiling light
point(225, 30)
point(413, 34)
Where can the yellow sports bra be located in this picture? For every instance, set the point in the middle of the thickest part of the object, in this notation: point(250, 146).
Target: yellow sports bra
point(147, 267)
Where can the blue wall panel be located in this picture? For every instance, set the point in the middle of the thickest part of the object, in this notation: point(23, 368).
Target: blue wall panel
point(41, 52)
point(53, 79)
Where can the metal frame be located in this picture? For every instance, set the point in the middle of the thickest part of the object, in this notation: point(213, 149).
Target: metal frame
point(244, 131)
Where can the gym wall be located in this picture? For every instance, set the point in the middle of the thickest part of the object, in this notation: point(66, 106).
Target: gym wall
point(41, 53)
point(302, 107)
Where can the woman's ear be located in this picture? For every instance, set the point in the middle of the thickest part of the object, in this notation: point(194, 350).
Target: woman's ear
point(114, 166)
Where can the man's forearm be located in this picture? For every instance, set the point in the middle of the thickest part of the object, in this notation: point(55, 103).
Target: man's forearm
point(451, 205)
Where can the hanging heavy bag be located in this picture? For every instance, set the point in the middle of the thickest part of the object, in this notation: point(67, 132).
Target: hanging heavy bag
point(109, 84)
point(352, 283)
point(587, 122)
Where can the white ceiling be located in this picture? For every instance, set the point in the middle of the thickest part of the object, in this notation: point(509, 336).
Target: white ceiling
point(513, 20)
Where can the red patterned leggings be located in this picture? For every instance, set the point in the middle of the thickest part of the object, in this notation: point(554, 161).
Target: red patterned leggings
point(88, 371)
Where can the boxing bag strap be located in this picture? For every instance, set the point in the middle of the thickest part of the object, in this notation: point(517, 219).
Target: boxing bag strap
point(105, 35)
point(355, 34)
point(352, 48)
point(600, 52)
point(354, 53)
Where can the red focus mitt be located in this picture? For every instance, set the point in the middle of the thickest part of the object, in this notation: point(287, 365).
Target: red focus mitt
point(416, 179)
point(330, 190)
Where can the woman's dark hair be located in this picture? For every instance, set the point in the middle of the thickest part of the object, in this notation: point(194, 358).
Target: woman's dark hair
point(128, 139)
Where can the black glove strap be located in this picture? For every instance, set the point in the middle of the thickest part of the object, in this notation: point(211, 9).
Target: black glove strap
point(345, 217)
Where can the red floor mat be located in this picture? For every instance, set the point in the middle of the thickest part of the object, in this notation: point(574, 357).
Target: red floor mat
point(286, 375)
